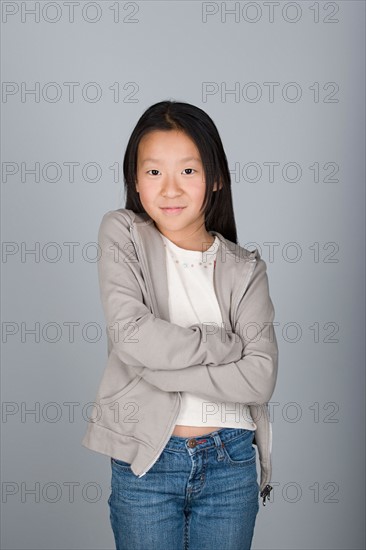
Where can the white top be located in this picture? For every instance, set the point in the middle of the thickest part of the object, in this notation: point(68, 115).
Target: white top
point(192, 299)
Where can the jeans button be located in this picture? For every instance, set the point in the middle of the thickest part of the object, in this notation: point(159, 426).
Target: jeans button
point(192, 443)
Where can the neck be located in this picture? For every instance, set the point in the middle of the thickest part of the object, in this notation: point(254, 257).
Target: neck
point(200, 244)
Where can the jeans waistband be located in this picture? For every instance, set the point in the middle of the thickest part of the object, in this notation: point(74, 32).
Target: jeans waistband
point(212, 439)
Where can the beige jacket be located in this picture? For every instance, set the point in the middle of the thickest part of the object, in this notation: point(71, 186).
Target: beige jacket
point(150, 360)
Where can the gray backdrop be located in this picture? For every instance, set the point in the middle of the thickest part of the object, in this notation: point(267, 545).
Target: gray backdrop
point(285, 84)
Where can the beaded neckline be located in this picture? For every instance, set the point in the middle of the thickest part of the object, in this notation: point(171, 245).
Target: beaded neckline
point(191, 258)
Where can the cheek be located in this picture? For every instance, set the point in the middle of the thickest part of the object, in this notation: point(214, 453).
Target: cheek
point(145, 189)
point(198, 192)
point(146, 198)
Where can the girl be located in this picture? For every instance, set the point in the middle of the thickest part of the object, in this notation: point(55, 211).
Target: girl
point(184, 396)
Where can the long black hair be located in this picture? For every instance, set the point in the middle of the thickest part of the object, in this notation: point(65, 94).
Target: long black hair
point(174, 115)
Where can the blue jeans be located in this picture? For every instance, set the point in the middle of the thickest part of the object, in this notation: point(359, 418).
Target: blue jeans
point(202, 493)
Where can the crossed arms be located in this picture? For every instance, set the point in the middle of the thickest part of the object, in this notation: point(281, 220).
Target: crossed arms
point(212, 361)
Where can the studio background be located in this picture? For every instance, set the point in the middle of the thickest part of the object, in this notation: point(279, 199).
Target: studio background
point(285, 83)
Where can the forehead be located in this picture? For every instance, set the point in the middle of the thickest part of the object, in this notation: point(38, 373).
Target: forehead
point(158, 145)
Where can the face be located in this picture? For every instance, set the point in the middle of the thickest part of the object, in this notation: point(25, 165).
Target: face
point(171, 185)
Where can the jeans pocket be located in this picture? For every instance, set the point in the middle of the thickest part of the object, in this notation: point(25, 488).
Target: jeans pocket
point(240, 451)
point(116, 463)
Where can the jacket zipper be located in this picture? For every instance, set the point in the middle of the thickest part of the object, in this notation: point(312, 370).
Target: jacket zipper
point(147, 277)
point(242, 290)
point(265, 494)
point(166, 439)
point(156, 313)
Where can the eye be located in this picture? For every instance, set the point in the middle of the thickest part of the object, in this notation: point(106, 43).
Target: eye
point(190, 169)
point(153, 171)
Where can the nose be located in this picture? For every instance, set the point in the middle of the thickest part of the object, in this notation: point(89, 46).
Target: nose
point(171, 187)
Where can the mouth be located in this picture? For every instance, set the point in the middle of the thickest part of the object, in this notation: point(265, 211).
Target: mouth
point(172, 209)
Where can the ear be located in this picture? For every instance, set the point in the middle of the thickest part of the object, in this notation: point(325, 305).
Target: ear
point(215, 186)
point(137, 187)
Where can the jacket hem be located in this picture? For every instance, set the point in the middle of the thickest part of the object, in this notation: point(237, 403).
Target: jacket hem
point(119, 446)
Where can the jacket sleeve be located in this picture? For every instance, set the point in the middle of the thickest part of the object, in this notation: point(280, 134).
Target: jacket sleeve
point(135, 335)
point(252, 378)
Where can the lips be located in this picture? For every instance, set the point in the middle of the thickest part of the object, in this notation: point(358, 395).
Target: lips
point(172, 209)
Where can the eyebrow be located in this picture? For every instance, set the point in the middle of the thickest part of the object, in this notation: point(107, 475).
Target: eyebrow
point(185, 159)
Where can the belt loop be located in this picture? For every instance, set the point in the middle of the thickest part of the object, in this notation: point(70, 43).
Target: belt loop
point(219, 445)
